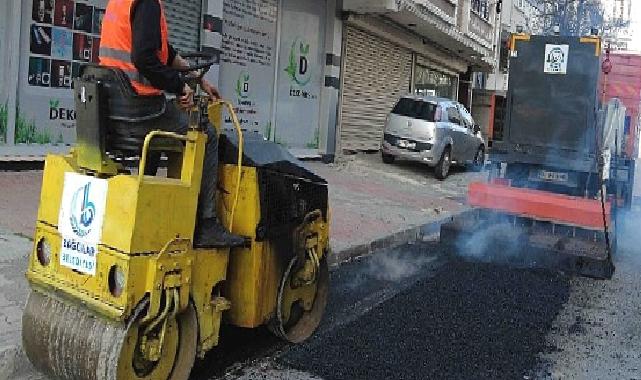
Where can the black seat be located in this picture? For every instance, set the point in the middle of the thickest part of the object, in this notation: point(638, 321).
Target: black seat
point(126, 117)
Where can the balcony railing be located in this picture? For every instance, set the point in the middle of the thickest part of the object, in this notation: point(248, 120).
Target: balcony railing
point(448, 7)
point(480, 27)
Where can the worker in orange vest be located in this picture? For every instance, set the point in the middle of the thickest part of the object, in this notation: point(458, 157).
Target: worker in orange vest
point(135, 39)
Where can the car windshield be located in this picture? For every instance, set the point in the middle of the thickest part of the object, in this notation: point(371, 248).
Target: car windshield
point(415, 109)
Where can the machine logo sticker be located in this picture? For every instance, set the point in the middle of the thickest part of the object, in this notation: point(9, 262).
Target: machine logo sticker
point(556, 59)
point(82, 211)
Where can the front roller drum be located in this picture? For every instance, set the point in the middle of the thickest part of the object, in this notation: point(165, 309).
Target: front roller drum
point(299, 305)
point(69, 342)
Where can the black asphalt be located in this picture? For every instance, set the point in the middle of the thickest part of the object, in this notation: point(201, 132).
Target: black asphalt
point(466, 321)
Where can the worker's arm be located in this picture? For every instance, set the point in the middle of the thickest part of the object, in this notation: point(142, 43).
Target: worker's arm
point(146, 44)
point(179, 62)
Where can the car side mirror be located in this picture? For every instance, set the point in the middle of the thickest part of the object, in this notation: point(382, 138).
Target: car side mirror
point(477, 128)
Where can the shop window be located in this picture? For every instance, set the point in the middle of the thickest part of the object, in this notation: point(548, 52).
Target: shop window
point(429, 82)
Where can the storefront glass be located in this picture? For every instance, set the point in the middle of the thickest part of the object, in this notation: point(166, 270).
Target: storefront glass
point(4, 42)
point(248, 59)
point(430, 82)
point(57, 38)
point(300, 72)
point(254, 75)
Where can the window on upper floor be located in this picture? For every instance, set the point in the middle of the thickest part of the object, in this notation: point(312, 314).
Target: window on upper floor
point(482, 8)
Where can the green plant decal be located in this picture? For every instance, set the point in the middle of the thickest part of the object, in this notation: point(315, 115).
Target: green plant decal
point(314, 144)
point(292, 67)
point(54, 103)
point(4, 117)
point(280, 142)
point(242, 79)
point(304, 49)
point(26, 132)
point(268, 131)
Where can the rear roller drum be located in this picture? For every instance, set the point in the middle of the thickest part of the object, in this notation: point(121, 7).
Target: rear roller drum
point(69, 343)
point(301, 301)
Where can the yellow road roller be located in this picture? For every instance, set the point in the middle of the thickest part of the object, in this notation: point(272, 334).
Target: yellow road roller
point(118, 289)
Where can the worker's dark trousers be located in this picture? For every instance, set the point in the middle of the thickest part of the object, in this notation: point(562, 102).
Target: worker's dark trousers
point(176, 120)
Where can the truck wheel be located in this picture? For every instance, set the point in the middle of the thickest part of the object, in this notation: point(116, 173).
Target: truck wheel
point(442, 168)
point(388, 158)
point(479, 160)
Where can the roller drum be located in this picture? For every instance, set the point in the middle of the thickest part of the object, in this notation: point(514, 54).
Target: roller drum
point(67, 342)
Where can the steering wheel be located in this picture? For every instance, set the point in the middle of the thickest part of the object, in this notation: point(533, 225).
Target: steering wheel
point(199, 65)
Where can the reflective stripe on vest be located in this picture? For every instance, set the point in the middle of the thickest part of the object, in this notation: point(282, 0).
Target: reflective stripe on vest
point(121, 55)
point(116, 43)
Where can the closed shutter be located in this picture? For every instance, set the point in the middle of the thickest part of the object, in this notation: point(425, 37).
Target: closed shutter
point(184, 19)
point(377, 73)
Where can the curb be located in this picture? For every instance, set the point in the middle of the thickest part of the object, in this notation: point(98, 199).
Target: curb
point(412, 234)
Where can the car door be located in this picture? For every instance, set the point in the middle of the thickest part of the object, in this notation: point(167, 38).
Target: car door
point(457, 131)
point(470, 144)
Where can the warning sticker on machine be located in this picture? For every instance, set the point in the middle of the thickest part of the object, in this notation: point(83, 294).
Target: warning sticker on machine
point(82, 211)
point(556, 59)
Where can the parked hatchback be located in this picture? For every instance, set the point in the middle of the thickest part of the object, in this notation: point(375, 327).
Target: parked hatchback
point(436, 131)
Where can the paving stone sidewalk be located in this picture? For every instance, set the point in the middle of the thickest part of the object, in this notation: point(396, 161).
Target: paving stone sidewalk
point(374, 206)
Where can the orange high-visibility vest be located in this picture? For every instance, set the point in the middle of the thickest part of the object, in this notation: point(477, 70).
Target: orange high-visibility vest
point(116, 43)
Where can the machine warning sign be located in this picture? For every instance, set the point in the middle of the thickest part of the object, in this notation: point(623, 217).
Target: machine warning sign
point(556, 59)
point(82, 210)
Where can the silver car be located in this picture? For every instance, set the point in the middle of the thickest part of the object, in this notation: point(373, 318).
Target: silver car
point(436, 131)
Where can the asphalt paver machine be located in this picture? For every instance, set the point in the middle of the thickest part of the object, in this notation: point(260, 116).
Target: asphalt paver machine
point(558, 173)
point(118, 289)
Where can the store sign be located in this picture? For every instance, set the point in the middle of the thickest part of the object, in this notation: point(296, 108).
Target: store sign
point(248, 61)
point(58, 37)
point(301, 62)
point(556, 59)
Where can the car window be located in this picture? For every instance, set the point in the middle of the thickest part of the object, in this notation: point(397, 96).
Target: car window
point(415, 109)
point(467, 118)
point(453, 115)
point(427, 111)
point(405, 107)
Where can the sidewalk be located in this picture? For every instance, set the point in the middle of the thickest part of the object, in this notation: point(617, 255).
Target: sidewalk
point(374, 206)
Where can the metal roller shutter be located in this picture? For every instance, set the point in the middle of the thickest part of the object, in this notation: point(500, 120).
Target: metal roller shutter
point(377, 73)
point(184, 19)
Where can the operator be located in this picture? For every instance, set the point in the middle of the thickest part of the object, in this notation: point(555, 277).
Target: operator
point(135, 39)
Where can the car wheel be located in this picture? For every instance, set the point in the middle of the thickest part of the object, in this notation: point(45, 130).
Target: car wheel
point(479, 159)
point(388, 158)
point(442, 168)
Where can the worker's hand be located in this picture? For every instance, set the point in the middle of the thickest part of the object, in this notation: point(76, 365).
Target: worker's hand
point(187, 98)
point(210, 90)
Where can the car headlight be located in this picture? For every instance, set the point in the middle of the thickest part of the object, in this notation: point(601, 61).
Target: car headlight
point(117, 281)
point(43, 252)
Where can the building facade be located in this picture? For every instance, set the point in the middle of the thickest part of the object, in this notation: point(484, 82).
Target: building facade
point(490, 96)
point(317, 76)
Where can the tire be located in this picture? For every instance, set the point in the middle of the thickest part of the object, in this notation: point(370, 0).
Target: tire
point(442, 168)
point(388, 158)
point(479, 160)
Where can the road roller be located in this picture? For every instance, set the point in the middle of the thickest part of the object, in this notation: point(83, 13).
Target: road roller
point(118, 289)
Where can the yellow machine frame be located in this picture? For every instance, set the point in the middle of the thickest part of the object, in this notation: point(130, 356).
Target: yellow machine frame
point(147, 231)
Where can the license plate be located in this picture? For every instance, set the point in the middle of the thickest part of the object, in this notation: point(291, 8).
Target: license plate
point(406, 144)
point(547, 176)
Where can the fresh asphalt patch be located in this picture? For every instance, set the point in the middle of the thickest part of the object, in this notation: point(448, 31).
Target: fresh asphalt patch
point(417, 313)
point(465, 321)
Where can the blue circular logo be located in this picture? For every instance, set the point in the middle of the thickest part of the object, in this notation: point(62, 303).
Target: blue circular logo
point(83, 211)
